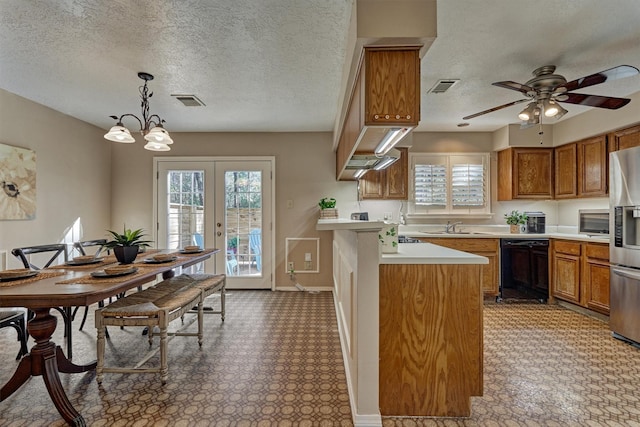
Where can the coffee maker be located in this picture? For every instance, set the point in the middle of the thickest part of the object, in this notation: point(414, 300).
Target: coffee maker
point(535, 222)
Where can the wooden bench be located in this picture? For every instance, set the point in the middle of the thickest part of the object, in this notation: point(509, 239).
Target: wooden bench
point(158, 306)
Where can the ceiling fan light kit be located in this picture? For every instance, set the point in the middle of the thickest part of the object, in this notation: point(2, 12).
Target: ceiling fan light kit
point(151, 127)
point(546, 89)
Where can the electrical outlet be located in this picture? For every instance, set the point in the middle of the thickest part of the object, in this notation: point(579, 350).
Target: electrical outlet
point(307, 256)
point(388, 216)
point(290, 266)
point(307, 265)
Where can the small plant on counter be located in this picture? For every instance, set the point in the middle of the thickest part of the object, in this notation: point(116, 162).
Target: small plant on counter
point(327, 203)
point(127, 238)
point(515, 218)
point(328, 208)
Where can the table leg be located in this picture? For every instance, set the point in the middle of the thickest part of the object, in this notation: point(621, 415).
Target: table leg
point(46, 359)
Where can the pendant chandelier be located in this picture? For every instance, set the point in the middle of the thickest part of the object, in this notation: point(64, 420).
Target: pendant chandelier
point(151, 128)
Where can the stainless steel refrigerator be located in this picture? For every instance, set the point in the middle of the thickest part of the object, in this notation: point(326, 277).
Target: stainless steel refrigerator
point(624, 247)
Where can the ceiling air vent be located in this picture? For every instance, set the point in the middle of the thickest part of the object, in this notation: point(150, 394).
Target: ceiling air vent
point(189, 100)
point(442, 86)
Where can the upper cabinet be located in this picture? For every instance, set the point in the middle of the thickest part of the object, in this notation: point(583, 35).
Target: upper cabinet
point(581, 168)
point(566, 172)
point(385, 96)
point(624, 138)
point(525, 173)
point(592, 167)
point(391, 183)
point(392, 87)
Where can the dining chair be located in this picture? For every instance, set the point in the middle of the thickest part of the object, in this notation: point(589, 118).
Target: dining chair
point(15, 319)
point(99, 243)
point(81, 247)
point(53, 252)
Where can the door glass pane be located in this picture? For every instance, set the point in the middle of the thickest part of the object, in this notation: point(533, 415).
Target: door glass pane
point(185, 210)
point(243, 213)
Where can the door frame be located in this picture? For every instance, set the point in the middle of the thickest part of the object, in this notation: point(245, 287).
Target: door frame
point(269, 228)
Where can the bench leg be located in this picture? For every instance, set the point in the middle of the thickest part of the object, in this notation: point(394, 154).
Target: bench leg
point(222, 297)
point(100, 351)
point(200, 321)
point(164, 366)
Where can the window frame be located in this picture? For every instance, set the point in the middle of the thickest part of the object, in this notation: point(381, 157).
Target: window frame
point(416, 210)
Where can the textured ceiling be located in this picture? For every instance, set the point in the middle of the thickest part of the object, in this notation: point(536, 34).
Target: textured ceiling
point(277, 65)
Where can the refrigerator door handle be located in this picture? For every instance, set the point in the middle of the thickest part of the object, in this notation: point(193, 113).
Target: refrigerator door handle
point(626, 273)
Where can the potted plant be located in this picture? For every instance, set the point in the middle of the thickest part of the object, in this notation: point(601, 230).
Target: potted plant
point(515, 219)
point(126, 245)
point(328, 208)
point(232, 245)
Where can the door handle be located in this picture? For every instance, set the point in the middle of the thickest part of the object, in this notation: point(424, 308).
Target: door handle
point(219, 225)
point(625, 273)
point(219, 233)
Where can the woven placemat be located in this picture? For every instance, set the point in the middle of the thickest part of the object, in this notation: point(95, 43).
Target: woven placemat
point(203, 252)
point(180, 256)
point(111, 259)
point(90, 280)
point(43, 274)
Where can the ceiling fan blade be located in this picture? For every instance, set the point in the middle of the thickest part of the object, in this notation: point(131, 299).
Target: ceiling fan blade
point(614, 73)
point(491, 110)
point(515, 86)
point(596, 100)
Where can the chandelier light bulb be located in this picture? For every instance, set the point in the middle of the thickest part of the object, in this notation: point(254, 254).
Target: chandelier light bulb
point(150, 125)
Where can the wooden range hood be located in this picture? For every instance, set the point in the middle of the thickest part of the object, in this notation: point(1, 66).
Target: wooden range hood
point(385, 96)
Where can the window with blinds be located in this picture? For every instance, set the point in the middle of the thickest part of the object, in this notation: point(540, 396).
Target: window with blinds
point(450, 183)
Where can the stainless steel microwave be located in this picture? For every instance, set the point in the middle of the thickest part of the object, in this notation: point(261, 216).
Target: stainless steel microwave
point(593, 222)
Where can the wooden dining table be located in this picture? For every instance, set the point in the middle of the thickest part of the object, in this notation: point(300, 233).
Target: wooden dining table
point(71, 286)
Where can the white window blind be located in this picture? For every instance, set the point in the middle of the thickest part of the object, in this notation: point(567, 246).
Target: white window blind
point(467, 185)
point(450, 183)
point(431, 184)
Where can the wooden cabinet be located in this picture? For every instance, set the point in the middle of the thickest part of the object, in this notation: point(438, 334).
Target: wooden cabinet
point(489, 248)
point(525, 173)
point(624, 138)
point(566, 173)
point(566, 270)
point(596, 277)
point(391, 183)
point(581, 168)
point(392, 85)
point(581, 273)
point(592, 167)
point(386, 94)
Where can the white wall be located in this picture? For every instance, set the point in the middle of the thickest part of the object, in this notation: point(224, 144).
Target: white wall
point(73, 174)
point(305, 173)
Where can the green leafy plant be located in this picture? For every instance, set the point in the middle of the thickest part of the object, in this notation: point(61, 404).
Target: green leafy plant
point(127, 238)
point(232, 243)
point(515, 218)
point(327, 203)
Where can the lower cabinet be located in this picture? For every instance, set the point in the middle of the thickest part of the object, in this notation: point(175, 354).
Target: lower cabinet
point(489, 248)
point(581, 274)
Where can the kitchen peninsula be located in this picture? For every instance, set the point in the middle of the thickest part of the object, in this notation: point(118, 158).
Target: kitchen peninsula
point(410, 324)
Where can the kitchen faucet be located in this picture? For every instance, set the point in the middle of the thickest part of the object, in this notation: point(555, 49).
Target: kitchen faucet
point(451, 228)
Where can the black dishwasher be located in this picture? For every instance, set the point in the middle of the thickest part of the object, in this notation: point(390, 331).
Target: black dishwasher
point(524, 269)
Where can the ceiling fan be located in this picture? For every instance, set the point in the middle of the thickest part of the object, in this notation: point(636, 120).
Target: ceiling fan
point(546, 89)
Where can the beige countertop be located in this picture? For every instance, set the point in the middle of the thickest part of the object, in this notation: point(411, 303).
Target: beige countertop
point(503, 235)
point(427, 253)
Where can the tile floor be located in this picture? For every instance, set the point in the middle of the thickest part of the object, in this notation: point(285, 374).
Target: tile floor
point(276, 361)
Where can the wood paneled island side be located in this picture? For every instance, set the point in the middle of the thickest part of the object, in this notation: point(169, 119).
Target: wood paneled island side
point(410, 324)
point(430, 339)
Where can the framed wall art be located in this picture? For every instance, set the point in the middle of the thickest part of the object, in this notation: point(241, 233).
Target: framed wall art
point(17, 183)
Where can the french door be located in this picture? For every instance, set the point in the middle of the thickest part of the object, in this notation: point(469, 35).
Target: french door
point(224, 203)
